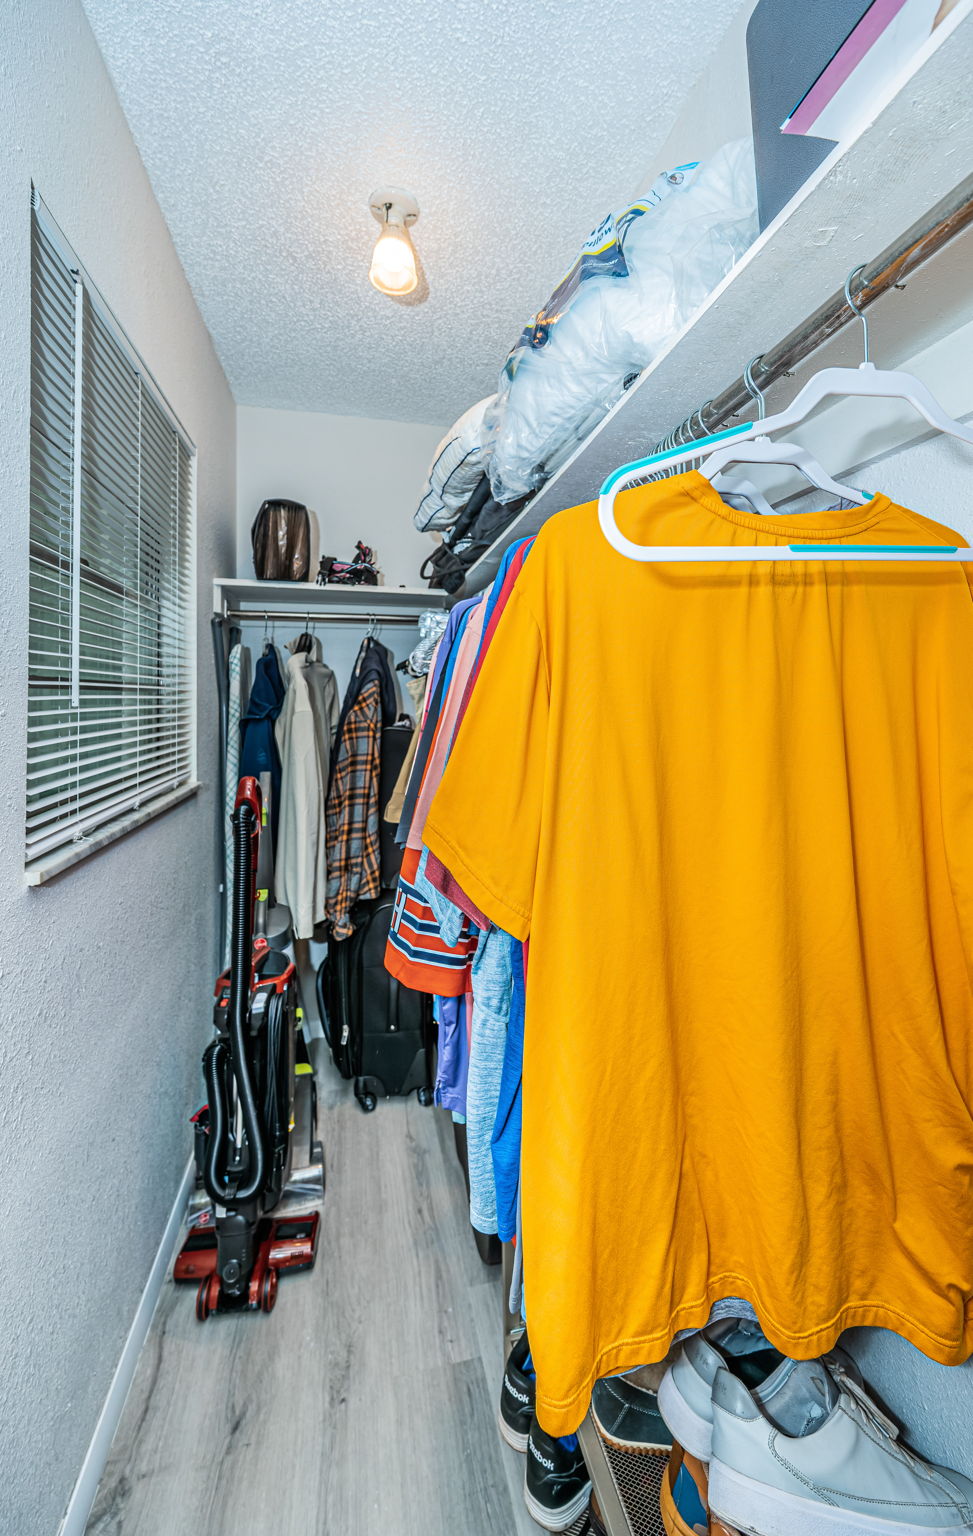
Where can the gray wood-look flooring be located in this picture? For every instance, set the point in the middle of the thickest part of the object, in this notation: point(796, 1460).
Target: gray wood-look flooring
point(365, 1404)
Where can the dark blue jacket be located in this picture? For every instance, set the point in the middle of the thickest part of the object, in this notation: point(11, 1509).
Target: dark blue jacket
point(258, 744)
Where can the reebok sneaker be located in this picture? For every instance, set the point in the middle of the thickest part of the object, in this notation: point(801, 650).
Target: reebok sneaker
point(517, 1396)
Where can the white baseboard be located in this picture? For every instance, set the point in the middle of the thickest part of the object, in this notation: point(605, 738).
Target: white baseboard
point(83, 1497)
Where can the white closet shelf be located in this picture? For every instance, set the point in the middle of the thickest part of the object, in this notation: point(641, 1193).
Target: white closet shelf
point(240, 595)
point(914, 150)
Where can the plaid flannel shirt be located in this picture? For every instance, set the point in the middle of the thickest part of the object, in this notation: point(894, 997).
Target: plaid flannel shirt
point(353, 812)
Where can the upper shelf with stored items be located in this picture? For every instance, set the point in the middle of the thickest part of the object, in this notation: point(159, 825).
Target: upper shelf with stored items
point(245, 595)
point(842, 217)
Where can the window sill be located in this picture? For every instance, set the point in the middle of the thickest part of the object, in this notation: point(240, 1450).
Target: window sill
point(49, 865)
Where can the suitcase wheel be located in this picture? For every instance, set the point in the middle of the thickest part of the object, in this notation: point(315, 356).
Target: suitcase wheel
point(425, 1096)
point(367, 1100)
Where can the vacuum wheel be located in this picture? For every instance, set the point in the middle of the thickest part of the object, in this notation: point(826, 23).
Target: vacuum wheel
point(207, 1297)
point(202, 1302)
point(425, 1096)
point(268, 1291)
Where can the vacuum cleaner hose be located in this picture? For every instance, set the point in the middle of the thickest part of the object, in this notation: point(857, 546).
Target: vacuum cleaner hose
point(244, 829)
point(214, 1076)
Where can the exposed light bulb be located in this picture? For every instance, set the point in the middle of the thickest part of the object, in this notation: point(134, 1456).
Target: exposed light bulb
point(393, 268)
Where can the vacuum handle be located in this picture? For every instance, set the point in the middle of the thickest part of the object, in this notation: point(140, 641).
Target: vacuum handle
point(246, 824)
point(265, 860)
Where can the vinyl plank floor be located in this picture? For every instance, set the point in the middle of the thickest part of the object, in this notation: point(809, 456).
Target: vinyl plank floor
point(365, 1404)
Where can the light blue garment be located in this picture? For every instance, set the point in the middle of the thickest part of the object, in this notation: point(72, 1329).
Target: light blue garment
point(507, 1126)
point(492, 980)
point(451, 921)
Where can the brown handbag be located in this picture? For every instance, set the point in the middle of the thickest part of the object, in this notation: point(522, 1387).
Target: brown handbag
point(281, 540)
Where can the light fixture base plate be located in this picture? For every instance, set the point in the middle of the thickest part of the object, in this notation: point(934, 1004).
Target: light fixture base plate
point(404, 208)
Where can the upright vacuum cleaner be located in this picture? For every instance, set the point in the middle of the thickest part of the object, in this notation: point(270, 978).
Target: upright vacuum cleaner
point(244, 1134)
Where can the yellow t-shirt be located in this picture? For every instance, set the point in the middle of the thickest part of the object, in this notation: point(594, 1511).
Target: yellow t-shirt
point(732, 806)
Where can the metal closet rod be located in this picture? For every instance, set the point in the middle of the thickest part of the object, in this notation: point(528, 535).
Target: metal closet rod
point(898, 261)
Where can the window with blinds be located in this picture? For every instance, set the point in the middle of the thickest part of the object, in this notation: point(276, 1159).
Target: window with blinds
point(111, 663)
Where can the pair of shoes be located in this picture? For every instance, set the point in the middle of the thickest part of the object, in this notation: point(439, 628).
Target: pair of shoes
point(556, 1481)
point(798, 1447)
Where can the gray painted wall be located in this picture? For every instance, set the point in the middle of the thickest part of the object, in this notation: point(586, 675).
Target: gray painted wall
point(107, 973)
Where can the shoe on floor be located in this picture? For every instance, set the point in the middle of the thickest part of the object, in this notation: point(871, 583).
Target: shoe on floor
point(686, 1390)
point(517, 1396)
point(596, 1525)
point(556, 1482)
point(815, 1456)
point(684, 1498)
point(628, 1415)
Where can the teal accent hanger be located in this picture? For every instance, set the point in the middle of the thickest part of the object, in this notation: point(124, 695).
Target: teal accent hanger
point(704, 444)
point(877, 549)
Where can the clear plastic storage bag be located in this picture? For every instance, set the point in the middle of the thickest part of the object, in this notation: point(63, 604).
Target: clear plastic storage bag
point(640, 277)
point(457, 465)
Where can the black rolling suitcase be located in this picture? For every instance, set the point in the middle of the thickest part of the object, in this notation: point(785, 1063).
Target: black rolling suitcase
point(379, 1031)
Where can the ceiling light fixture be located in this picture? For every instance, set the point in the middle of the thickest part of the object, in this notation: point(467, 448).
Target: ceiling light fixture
point(393, 268)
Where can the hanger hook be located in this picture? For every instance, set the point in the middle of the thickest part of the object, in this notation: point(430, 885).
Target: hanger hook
point(855, 308)
point(753, 389)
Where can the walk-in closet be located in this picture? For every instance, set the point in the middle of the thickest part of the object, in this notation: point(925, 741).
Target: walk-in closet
point(486, 975)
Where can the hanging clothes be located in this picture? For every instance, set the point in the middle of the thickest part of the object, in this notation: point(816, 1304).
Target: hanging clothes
point(303, 740)
point(505, 1140)
point(418, 953)
point(732, 810)
point(438, 681)
point(258, 744)
point(439, 940)
point(453, 1053)
point(353, 832)
point(238, 694)
point(492, 978)
point(371, 663)
point(323, 688)
point(392, 812)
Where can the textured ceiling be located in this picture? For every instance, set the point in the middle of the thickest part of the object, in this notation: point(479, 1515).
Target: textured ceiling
point(265, 124)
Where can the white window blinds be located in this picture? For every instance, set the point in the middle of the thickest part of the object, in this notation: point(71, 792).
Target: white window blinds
point(111, 653)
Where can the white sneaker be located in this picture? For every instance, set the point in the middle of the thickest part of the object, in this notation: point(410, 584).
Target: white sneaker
point(816, 1457)
point(685, 1395)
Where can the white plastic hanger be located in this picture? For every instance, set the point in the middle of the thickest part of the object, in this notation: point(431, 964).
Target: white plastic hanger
point(736, 488)
point(865, 380)
point(765, 450)
point(762, 450)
